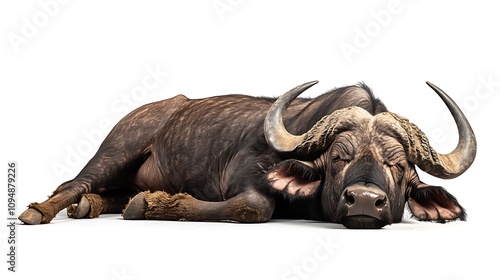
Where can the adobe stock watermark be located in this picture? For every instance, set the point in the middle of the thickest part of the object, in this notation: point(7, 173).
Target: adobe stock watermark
point(324, 250)
point(486, 88)
point(32, 25)
point(363, 36)
point(122, 105)
point(223, 7)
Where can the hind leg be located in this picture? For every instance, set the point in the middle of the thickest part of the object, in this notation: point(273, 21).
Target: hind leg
point(113, 164)
point(99, 173)
point(120, 155)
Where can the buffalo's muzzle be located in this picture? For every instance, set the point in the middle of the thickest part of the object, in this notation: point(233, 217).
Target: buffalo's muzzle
point(367, 207)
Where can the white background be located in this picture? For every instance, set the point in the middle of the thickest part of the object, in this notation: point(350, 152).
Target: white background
point(69, 71)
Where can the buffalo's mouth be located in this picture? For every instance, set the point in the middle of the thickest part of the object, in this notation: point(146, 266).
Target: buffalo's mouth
point(363, 222)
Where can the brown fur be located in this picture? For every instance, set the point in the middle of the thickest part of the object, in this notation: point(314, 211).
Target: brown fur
point(97, 206)
point(241, 212)
point(47, 210)
point(163, 206)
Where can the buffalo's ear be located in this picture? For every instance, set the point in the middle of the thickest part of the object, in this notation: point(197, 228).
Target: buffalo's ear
point(430, 203)
point(294, 178)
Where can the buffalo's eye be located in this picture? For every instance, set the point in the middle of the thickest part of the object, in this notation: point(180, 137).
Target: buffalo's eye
point(340, 159)
point(335, 157)
point(397, 170)
point(341, 155)
point(399, 167)
point(342, 150)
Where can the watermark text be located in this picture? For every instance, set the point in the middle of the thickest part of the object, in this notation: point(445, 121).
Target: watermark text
point(31, 26)
point(325, 249)
point(11, 217)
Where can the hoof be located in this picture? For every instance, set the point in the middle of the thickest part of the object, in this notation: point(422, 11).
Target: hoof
point(81, 210)
point(31, 217)
point(136, 208)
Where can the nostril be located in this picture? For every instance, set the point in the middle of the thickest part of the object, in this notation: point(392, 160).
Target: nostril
point(381, 202)
point(349, 198)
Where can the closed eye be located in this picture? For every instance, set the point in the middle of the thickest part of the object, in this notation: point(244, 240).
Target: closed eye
point(343, 149)
point(397, 171)
point(341, 159)
point(400, 166)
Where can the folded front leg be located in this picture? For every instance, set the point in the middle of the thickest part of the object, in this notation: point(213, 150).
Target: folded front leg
point(248, 207)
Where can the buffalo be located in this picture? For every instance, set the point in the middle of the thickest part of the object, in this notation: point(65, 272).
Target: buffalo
point(341, 157)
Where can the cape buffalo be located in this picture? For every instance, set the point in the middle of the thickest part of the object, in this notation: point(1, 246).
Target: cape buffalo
point(340, 157)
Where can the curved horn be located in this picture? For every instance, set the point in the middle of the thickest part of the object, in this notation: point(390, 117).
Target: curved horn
point(274, 130)
point(445, 166)
point(318, 137)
